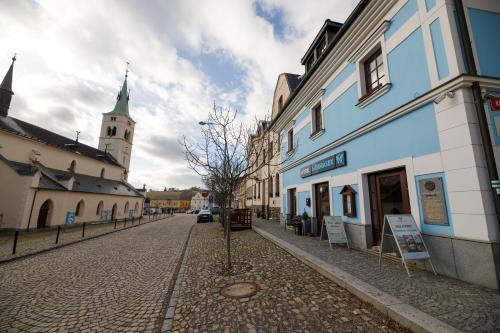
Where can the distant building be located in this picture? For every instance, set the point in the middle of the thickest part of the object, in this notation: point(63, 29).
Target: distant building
point(176, 200)
point(48, 179)
point(200, 201)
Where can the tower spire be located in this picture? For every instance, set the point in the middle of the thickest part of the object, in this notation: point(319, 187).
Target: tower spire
point(6, 90)
point(121, 106)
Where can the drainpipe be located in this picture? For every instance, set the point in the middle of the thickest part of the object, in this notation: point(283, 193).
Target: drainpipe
point(479, 106)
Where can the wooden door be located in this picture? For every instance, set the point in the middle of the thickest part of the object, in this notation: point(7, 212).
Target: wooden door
point(293, 202)
point(322, 204)
point(389, 191)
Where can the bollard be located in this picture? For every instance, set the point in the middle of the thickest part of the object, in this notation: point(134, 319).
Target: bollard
point(115, 225)
point(83, 230)
point(16, 235)
point(58, 231)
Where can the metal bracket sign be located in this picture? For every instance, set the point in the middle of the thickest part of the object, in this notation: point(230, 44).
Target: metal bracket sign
point(334, 229)
point(402, 230)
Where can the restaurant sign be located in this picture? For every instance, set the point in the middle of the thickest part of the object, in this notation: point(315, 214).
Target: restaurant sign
point(333, 162)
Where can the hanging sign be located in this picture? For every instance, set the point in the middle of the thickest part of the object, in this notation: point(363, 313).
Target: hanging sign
point(495, 103)
point(402, 230)
point(334, 229)
point(70, 218)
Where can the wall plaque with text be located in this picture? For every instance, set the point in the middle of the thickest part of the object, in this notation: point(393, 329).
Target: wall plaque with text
point(433, 201)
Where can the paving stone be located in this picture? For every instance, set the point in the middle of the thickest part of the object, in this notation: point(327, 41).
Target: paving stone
point(115, 283)
point(467, 307)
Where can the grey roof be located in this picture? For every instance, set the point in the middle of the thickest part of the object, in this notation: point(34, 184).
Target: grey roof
point(31, 131)
point(51, 178)
point(293, 81)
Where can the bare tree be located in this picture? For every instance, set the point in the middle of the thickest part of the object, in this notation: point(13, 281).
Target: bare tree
point(223, 158)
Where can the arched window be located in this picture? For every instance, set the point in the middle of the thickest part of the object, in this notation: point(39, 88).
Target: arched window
point(113, 132)
point(125, 173)
point(45, 214)
point(127, 135)
point(136, 208)
point(80, 208)
point(72, 166)
point(125, 210)
point(100, 206)
point(108, 132)
point(103, 171)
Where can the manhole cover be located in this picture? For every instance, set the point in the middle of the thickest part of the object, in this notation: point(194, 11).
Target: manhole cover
point(240, 289)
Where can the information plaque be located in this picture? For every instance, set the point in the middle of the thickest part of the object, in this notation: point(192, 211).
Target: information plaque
point(433, 201)
point(334, 229)
point(403, 231)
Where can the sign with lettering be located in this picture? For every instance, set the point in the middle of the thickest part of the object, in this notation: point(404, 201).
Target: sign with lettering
point(334, 228)
point(333, 162)
point(70, 218)
point(403, 230)
point(495, 103)
point(433, 201)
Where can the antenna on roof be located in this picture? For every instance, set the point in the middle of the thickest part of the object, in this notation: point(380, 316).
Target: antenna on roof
point(77, 135)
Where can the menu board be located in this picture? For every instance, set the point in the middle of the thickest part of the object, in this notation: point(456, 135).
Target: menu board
point(335, 230)
point(433, 201)
point(407, 236)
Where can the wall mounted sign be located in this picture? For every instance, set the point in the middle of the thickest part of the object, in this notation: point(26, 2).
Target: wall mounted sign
point(433, 201)
point(330, 163)
point(334, 229)
point(402, 230)
point(495, 103)
point(70, 218)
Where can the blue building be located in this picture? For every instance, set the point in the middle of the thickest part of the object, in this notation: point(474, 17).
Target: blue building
point(395, 114)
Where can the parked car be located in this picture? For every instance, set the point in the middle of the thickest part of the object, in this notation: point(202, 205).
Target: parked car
point(190, 211)
point(204, 216)
point(215, 210)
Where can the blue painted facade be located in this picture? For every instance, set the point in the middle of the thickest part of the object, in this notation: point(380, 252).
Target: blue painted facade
point(439, 49)
point(485, 30)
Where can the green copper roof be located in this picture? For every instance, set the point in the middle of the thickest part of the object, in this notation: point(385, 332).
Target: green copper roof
point(121, 106)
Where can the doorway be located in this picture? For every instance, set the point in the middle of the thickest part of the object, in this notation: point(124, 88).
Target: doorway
point(388, 195)
point(114, 212)
point(292, 195)
point(43, 215)
point(322, 204)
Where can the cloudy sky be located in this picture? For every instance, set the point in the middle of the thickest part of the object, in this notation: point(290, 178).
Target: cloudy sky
point(183, 54)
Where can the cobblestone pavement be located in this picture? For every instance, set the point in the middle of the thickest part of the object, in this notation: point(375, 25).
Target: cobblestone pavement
point(35, 241)
point(465, 306)
point(292, 296)
point(115, 283)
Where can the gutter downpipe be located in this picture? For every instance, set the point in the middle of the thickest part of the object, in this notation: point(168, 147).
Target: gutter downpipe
point(481, 115)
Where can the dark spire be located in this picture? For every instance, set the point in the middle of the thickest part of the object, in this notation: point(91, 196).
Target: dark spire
point(121, 106)
point(6, 90)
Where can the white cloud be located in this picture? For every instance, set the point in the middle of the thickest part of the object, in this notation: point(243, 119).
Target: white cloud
point(72, 56)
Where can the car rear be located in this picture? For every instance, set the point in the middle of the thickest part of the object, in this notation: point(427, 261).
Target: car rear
point(204, 216)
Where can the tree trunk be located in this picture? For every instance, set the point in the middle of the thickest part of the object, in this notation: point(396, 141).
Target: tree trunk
point(228, 237)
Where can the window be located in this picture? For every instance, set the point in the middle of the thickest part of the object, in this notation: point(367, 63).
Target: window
point(317, 119)
point(280, 103)
point(270, 186)
point(270, 153)
point(113, 118)
point(103, 171)
point(258, 190)
point(126, 136)
point(290, 140)
point(309, 63)
point(113, 132)
point(374, 72)
point(72, 166)
point(321, 47)
point(108, 131)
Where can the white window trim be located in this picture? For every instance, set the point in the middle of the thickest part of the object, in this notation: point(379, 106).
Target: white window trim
point(313, 134)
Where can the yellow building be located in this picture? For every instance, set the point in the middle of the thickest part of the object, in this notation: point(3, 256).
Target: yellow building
point(47, 179)
point(179, 201)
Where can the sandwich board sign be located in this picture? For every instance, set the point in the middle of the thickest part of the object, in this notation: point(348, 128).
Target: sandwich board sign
point(402, 230)
point(334, 229)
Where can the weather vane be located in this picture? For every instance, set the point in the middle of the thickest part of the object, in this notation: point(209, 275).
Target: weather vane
point(14, 57)
point(126, 69)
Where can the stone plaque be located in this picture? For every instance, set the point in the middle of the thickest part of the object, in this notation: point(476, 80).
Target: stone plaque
point(433, 201)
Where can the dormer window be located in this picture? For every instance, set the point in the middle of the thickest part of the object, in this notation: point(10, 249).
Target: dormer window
point(321, 47)
point(310, 63)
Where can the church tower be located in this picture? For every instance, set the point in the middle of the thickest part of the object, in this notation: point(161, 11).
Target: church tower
point(117, 129)
point(6, 90)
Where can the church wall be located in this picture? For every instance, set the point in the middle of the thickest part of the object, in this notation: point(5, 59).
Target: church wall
point(19, 149)
point(64, 202)
point(14, 202)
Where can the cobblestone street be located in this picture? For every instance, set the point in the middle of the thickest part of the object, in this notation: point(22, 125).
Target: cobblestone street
point(115, 283)
point(292, 296)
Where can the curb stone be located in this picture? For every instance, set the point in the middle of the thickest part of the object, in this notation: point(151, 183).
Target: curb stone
point(403, 313)
point(27, 255)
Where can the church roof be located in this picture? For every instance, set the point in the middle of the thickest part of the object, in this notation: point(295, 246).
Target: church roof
point(121, 106)
point(7, 80)
point(33, 132)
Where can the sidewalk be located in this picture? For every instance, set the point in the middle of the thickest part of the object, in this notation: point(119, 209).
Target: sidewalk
point(465, 306)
